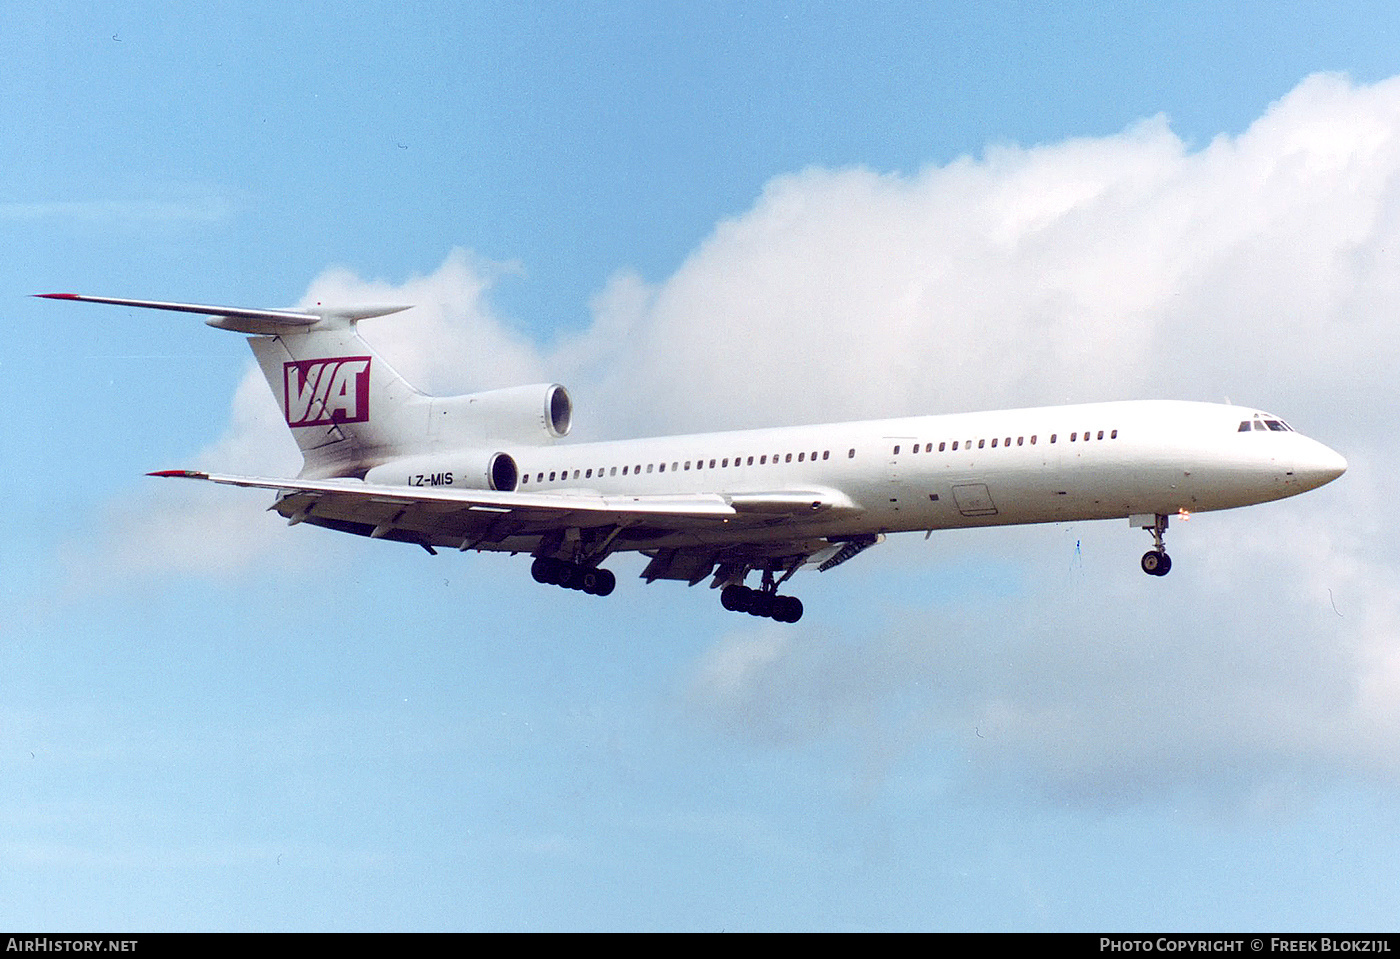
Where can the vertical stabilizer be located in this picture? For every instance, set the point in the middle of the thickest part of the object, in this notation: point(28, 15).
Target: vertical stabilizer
point(347, 408)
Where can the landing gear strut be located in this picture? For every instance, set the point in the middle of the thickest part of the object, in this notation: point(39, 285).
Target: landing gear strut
point(1156, 562)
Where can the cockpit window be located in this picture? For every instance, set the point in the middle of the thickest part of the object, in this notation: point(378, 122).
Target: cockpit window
point(1265, 423)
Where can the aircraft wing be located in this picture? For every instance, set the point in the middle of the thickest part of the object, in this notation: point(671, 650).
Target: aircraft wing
point(469, 518)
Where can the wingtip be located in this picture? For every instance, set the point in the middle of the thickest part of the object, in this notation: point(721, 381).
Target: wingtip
point(58, 296)
point(183, 474)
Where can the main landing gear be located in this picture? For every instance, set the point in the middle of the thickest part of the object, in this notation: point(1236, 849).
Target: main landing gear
point(1156, 562)
point(761, 602)
point(764, 601)
point(589, 579)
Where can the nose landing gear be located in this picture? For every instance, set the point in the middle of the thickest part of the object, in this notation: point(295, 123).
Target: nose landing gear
point(1156, 562)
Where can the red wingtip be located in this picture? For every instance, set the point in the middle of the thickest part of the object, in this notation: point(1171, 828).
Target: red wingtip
point(57, 296)
point(184, 474)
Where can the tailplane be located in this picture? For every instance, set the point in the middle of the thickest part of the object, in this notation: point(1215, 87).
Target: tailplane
point(326, 378)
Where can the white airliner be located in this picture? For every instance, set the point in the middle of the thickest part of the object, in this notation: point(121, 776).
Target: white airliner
point(485, 471)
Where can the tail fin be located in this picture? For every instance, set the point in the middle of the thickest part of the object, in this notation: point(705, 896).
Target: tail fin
point(327, 381)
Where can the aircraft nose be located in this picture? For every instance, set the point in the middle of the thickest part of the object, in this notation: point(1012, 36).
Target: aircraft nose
point(1318, 466)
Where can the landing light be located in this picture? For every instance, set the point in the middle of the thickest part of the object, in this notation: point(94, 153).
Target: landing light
point(1183, 514)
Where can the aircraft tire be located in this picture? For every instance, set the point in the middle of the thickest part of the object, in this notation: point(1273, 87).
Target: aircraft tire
point(787, 609)
point(542, 569)
point(736, 599)
point(761, 604)
point(1156, 563)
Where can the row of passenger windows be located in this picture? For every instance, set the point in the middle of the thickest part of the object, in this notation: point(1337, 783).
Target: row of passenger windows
point(1075, 437)
point(678, 466)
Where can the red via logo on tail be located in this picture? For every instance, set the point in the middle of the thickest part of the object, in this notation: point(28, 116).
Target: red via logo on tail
point(327, 391)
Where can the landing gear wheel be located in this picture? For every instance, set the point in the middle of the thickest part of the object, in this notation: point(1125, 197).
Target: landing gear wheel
point(761, 604)
point(735, 598)
point(1156, 563)
point(787, 609)
point(544, 569)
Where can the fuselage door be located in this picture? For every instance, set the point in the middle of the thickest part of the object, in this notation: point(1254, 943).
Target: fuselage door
point(974, 499)
point(897, 450)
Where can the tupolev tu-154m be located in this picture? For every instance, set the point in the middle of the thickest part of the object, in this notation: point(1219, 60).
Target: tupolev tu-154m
point(485, 471)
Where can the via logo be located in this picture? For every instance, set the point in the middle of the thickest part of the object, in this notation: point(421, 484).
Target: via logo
point(327, 391)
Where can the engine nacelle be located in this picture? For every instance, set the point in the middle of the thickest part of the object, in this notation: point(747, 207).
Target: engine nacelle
point(533, 414)
point(468, 469)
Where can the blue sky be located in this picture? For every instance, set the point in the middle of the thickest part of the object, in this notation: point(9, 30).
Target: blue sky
point(729, 215)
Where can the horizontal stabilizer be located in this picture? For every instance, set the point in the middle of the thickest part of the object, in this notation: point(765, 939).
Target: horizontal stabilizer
point(243, 319)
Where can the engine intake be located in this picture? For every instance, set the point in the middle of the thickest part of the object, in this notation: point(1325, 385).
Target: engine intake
point(534, 414)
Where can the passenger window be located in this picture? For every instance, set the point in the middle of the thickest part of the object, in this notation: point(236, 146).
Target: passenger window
point(994, 442)
point(852, 454)
point(942, 446)
point(788, 458)
point(896, 451)
point(1054, 437)
point(1100, 434)
point(1073, 437)
point(981, 444)
point(1113, 435)
point(802, 456)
